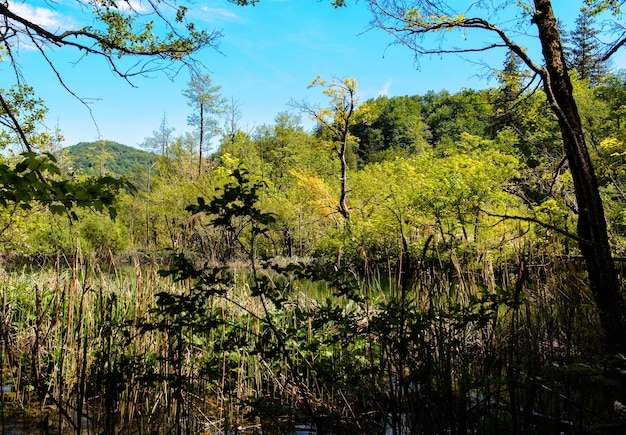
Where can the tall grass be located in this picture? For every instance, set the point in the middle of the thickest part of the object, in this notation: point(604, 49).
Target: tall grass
point(93, 347)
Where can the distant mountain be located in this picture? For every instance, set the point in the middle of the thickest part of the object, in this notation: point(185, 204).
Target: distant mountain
point(107, 158)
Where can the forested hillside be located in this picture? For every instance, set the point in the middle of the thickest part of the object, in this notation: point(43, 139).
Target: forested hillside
point(107, 158)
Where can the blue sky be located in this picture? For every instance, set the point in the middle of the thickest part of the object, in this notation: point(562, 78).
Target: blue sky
point(267, 56)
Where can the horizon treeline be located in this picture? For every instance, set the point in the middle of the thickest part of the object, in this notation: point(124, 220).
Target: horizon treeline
point(477, 172)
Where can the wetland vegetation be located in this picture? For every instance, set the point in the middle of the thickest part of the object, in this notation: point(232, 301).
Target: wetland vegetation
point(437, 263)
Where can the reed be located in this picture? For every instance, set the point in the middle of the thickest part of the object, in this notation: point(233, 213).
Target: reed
point(114, 349)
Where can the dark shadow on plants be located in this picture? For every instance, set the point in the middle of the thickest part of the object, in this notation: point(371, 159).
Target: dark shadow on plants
point(440, 350)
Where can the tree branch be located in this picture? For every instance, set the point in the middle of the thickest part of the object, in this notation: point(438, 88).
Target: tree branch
point(535, 221)
point(611, 51)
point(16, 124)
point(174, 47)
point(64, 85)
point(443, 21)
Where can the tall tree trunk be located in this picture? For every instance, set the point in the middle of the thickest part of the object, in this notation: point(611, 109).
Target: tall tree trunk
point(201, 141)
point(343, 205)
point(592, 229)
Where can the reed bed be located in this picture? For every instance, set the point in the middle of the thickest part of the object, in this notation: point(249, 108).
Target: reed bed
point(93, 347)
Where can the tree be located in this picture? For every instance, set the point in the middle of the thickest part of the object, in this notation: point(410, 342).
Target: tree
point(161, 139)
point(281, 146)
point(448, 116)
point(204, 98)
point(390, 125)
point(413, 22)
point(585, 55)
point(337, 119)
point(512, 80)
point(520, 107)
point(613, 93)
point(233, 115)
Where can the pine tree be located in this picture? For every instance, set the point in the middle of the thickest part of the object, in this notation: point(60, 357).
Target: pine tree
point(513, 81)
point(205, 99)
point(585, 55)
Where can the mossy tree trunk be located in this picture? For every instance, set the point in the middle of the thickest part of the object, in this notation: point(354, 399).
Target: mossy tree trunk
point(592, 227)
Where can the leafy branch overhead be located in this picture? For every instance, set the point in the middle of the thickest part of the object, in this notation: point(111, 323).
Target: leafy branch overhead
point(120, 29)
point(37, 179)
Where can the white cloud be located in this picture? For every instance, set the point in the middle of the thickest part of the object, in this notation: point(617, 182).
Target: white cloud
point(128, 5)
point(50, 18)
point(45, 17)
point(211, 14)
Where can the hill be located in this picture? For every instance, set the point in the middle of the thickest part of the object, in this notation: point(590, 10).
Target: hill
point(107, 158)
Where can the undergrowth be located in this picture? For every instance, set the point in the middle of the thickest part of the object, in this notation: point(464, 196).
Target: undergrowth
point(428, 347)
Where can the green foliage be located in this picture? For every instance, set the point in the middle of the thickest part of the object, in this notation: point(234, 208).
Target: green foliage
point(283, 147)
point(280, 343)
point(115, 32)
point(241, 149)
point(120, 34)
point(441, 194)
point(611, 95)
point(207, 104)
point(597, 6)
point(236, 208)
point(390, 124)
point(389, 349)
point(36, 179)
point(117, 160)
point(449, 115)
point(37, 183)
point(451, 286)
point(430, 296)
point(334, 122)
point(21, 113)
point(102, 236)
point(585, 55)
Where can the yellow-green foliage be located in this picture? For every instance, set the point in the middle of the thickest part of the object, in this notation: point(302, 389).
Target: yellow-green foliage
point(434, 194)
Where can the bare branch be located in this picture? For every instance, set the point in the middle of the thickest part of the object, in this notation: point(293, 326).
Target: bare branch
point(64, 85)
point(118, 32)
point(143, 44)
point(614, 47)
point(17, 127)
point(535, 221)
point(409, 31)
